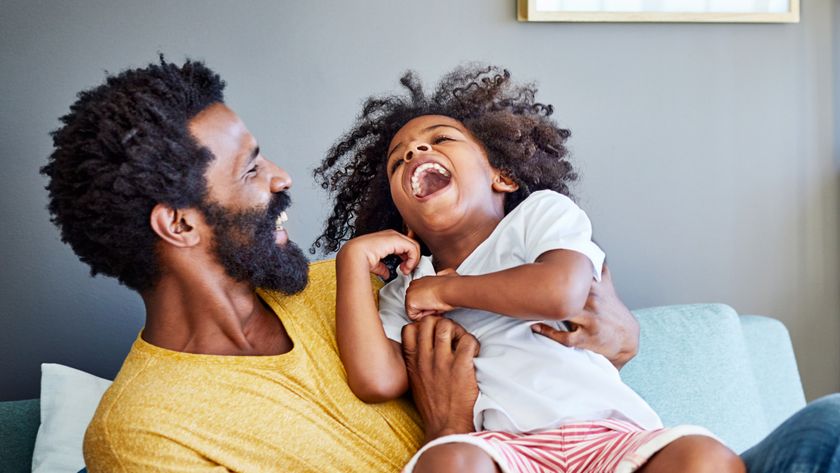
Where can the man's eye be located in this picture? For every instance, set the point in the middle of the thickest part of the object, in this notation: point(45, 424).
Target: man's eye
point(253, 170)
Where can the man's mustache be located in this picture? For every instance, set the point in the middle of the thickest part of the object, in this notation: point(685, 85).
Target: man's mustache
point(279, 202)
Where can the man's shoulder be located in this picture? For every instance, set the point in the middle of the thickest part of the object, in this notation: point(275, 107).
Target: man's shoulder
point(321, 273)
point(315, 302)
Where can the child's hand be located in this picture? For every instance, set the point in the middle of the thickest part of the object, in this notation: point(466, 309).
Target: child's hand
point(373, 247)
point(425, 295)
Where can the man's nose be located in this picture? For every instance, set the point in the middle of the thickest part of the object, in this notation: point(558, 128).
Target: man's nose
point(416, 147)
point(280, 179)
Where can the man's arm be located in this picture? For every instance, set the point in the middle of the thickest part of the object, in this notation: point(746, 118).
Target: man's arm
point(439, 359)
point(605, 325)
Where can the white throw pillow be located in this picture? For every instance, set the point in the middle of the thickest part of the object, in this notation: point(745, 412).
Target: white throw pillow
point(68, 400)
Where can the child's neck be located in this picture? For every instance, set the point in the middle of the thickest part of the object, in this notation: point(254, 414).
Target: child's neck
point(449, 251)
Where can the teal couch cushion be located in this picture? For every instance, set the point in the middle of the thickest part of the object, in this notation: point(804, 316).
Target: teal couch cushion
point(693, 367)
point(19, 421)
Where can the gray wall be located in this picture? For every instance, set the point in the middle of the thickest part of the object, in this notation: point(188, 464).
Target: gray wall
point(705, 150)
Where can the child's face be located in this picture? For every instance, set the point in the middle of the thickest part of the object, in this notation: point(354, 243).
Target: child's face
point(441, 180)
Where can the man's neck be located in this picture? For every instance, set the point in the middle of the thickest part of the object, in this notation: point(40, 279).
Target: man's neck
point(211, 314)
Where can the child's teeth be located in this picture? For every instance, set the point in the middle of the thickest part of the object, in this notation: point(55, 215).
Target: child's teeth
point(415, 178)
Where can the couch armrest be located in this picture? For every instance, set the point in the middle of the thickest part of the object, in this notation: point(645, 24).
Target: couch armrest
point(19, 422)
point(774, 367)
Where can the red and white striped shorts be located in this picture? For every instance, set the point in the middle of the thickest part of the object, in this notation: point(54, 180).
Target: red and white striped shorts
point(603, 446)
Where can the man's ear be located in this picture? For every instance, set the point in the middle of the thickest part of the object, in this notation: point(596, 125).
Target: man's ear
point(502, 183)
point(175, 226)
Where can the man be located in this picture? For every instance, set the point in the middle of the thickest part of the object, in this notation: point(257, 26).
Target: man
point(156, 182)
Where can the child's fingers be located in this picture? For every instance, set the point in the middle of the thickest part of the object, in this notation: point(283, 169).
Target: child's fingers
point(423, 313)
point(381, 270)
point(410, 255)
point(414, 315)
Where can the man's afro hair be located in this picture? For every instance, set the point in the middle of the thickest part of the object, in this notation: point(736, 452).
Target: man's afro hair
point(123, 148)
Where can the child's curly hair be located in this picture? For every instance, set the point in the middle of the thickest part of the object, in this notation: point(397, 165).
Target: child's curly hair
point(519, 137)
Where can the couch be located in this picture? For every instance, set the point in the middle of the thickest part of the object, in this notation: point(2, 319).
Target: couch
point(697, 364)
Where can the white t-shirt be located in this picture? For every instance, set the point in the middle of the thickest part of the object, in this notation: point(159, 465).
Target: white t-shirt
point(526, 381)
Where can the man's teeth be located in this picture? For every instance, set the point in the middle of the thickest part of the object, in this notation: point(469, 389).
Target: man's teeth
point(281, 219)
point(415, 177)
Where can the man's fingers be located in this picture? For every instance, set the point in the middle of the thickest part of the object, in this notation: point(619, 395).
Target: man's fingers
point(443, 343)
point(570, 339)
point(409, 340)
point(426, 339)
point(605, 273)
point(599, 289)
point(466, 346)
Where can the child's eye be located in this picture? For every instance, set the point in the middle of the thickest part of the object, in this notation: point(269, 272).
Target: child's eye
point(396, 164)
point(441, 139)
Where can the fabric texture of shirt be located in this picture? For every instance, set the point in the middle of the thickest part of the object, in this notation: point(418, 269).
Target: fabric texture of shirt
point(527, 382)
point(180, 412)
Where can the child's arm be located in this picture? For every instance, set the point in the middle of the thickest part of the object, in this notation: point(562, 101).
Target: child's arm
point(374, 363)
point(554, 287)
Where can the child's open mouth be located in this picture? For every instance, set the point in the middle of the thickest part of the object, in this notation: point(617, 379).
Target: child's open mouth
point(429, 178)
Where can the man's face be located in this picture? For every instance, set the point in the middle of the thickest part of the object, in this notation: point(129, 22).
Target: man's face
point(244, 206)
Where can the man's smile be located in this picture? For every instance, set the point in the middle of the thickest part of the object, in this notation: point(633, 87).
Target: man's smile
point(280, 234)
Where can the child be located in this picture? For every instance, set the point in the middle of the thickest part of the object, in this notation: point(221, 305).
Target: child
point(475, 178)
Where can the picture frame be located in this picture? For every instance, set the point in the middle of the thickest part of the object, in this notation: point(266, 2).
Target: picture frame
point(660, 11)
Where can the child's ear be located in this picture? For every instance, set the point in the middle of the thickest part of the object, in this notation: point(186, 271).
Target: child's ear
point(175, 226)
point(502, 183)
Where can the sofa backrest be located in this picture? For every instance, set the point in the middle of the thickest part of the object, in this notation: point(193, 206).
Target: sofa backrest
point(696, 366)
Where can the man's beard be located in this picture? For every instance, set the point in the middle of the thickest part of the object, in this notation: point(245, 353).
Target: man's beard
point(244, 243)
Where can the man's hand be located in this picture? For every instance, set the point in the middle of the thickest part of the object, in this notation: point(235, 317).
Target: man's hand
point(605, 326)
point(439, 359)
point(424, 296)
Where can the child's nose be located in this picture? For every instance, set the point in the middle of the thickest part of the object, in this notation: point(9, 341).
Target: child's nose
point(416, 147)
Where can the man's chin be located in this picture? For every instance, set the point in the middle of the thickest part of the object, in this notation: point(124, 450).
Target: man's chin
point(286, 270)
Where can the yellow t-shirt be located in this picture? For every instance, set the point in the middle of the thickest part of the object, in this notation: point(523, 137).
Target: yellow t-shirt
point(172, 411)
